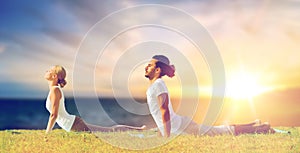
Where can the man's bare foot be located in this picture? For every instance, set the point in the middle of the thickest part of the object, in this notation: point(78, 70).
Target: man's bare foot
point(257, 122)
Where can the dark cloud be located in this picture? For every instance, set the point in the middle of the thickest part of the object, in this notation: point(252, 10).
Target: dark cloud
point(90, 12)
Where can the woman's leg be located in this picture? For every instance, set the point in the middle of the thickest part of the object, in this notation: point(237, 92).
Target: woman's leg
point(126, 128)
point(96, 128)
point(79, 125)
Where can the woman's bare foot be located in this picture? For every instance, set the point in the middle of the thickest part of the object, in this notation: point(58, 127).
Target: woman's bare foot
point(126, 128)
point(143, 127)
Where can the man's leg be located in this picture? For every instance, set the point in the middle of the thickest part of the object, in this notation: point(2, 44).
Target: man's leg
point(192, 128)
point(249, 129)
point(189, 126)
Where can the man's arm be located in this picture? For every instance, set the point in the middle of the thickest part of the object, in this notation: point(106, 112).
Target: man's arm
point(163, 102)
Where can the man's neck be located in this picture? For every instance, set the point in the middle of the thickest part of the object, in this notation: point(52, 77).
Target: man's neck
point(153, 80)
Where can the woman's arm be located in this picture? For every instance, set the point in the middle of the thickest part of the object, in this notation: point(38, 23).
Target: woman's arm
point(163, 102)
point(55, 97)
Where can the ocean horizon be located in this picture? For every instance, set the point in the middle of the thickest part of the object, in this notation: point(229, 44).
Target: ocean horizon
point(24, 113)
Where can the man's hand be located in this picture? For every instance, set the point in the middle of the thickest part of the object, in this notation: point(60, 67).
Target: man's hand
point(159, 134)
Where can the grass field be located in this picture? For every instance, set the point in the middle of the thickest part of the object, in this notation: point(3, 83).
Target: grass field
point(60, 141)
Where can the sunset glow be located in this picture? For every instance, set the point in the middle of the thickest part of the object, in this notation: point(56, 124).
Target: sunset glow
point(258, 42)
point(243, 85)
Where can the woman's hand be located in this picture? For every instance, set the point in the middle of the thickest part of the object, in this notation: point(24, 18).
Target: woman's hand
point(46, 138)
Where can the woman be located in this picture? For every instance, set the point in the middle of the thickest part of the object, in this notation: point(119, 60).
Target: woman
point(55, 104)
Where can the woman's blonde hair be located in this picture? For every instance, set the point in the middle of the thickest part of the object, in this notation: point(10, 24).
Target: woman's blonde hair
point(61, 75)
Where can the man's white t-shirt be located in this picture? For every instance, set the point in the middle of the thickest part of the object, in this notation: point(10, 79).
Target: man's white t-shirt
point(157, 88)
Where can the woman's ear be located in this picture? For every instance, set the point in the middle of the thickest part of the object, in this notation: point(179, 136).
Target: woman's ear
point(54, 76)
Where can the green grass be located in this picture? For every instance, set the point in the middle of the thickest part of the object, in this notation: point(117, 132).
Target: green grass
point(61, 141)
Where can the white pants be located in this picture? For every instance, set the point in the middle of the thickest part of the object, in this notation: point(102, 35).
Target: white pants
point(216, 130)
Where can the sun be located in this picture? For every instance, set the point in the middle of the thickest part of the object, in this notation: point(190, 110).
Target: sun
point(243, 85)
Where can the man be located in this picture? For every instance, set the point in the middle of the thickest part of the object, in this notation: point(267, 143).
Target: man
point(168, 121)
point(157, 95)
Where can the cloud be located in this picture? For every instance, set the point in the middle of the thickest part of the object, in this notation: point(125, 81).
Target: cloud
point(254, 32)
point(2, 48)
point(62, 36)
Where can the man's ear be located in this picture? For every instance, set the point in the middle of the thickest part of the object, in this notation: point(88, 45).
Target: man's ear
point(157, 70)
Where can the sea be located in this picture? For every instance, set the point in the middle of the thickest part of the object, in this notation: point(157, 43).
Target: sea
point(32, 113)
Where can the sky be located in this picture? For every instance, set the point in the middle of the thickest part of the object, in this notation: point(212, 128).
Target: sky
point(258, 42)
